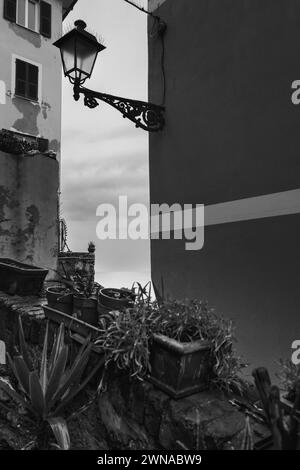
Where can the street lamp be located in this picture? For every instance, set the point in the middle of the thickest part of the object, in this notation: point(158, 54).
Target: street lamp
point(79, 50)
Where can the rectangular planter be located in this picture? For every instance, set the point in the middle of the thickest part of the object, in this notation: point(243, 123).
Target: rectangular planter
point(74, 324)
point(180, 369)
point(19, 278)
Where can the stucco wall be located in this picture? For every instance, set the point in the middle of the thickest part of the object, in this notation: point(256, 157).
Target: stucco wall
point(231, 133)
point(28, 199)
point(41, 119)
point(29, 186)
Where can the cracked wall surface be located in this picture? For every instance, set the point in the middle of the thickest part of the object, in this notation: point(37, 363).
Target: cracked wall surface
point(28, 205)
point(42, 118)
point(29, 186)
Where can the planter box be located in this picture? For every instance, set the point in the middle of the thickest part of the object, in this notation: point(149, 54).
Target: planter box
point(72, 323)
point(180, 369)
point(59, 300)
point(85, 309)
point(19, 278)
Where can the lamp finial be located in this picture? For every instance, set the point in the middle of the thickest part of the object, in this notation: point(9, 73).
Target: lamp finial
point(80, 24)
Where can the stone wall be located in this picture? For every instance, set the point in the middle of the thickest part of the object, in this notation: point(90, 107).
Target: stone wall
point(137, 415)
point(131, 414)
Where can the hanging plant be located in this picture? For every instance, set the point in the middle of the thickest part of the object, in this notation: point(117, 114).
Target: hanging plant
point(9, 143)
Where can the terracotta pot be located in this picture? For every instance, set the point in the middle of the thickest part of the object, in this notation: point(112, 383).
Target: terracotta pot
point(116, 299)
point(19, 278)
point(59, 299)
point(180, 369)
point(85, 309)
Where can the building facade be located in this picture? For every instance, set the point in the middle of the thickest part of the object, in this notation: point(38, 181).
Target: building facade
point(231, 142)
point(30, 117)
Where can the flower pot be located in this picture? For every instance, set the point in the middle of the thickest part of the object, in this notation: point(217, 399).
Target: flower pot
point(19, 278)
point(59, 299)
point(180, 369)
point(116, 299)
point(85, 309)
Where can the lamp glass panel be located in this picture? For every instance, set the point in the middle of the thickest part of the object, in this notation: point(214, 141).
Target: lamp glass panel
point(68, 49)
point(86, 55)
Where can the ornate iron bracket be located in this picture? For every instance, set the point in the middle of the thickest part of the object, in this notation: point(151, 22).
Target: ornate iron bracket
point(148, 116)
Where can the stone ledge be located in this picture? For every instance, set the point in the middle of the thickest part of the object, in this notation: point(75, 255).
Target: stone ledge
point(32, 313)
point(139, 416)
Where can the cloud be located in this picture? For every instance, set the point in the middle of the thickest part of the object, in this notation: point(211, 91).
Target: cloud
point(104, 155)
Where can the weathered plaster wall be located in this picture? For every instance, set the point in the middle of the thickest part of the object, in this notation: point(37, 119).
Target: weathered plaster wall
point(29, 186)
point(232, 132)
point(28, 200)
point(41, 119)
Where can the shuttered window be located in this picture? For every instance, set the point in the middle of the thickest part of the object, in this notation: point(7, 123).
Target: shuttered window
point(45, 19)
point(10, 10)
point(32, 14)
point(27, 80)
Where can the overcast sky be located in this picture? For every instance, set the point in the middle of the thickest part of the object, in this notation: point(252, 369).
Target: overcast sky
point(104, 155)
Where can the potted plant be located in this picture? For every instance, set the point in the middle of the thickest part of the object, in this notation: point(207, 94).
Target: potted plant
point(193, 348)
point(60, 298)
point(19, 278)
point(181, 347)
point(116, 299)
point(85, 298)
point(78, 297)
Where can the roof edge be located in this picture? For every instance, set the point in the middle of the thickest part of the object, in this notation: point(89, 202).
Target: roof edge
point(66, 10)
point(154, 4)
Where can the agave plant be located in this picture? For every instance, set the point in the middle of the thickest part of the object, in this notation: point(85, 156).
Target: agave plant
point(47, 392)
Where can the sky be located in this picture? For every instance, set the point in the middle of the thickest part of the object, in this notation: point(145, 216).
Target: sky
point(103, 155)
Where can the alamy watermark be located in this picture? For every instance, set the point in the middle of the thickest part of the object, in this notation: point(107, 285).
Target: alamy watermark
point(161, 221)
point(295, 358)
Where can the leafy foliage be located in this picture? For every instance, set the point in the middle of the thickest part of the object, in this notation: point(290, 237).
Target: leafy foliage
point(11, 144)
point(79, 282)
point(288, 375)
point(284, 428)
point(126, 337)
point(46, 393)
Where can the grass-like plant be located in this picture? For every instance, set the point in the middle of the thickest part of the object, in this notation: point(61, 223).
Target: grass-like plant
point(126, 337)
point(288, 374)
point(47, 392)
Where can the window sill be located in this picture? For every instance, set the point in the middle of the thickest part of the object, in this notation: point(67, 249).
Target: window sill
point(37, 33)
point(27, 99)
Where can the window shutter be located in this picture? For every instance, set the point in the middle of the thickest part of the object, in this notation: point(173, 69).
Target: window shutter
point(32, 81)
point(10, 10)
point(27, 80)
point(45, 19)
point(21, 74)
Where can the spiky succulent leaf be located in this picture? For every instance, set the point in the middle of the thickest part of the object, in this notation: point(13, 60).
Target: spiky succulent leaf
point(76, 390)
point(58, 370)
point(36, 394)
point(23, 373)
point(23, 346)
point(43, 371)
point(75, 373)
point(60, 431)
point(17, 397)
point(57, 347)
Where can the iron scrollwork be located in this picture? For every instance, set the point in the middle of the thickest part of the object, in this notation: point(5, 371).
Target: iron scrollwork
point(147, 116)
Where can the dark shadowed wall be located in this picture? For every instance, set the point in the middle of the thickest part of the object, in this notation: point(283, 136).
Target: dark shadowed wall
point(232, 136)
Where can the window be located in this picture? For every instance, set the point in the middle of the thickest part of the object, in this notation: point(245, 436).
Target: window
point(26, 80)
point(27, 14)
point(31, 14)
